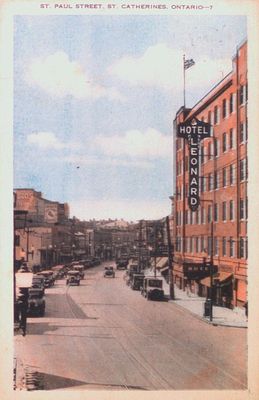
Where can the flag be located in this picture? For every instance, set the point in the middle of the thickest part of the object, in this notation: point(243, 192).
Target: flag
point(188, 63)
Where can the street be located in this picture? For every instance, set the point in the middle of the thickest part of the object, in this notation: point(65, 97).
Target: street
point(103, 335)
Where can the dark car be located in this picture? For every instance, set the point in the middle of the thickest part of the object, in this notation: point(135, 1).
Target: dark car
point(153, 288)
point(122, 263)
point(38, 282)
point(73, 278)
point(109, 272)
point(36, 302)
point(136, 282)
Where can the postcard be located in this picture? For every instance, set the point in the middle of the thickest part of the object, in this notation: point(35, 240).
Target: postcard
point(129, 181)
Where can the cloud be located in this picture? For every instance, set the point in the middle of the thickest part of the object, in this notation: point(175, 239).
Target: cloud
point(60, 77)
point(46, 140)
point(148, 144)
point(161, 66)
point(113, 162)
point(128, 209)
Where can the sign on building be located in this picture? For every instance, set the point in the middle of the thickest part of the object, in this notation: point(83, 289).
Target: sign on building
point(194, 131)
point(51, 213)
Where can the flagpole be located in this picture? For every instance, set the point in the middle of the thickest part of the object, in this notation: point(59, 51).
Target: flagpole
point(184, 80)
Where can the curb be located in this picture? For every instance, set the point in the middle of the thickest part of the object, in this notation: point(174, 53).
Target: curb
point(201, 318)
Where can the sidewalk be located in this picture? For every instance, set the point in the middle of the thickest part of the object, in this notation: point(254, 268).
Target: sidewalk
point(221, 315)
point(195, 304)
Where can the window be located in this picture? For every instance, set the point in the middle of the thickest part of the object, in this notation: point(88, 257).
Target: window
point(231, 247)
point(197, 244)
point(216, 212)
point(209, 117)
point(216, 115)
point(246, 208)
point(202, 154)
point(202, 215)
point(242, 247)
point(191, 217)
point(209, 213)
point(231, 210)
point(246, 92)
point(203, 179)
point(242, 169)
point(216, 180)
point(209, 151)
point(202, 244)
point(231, 174)
point(210, 182)
point(186, 217)
point(224, 108)
point(231, 103)
point(216, 147)
point(241, 94)
point(242, 132)
point(241, 209)
point(231, 139)
point(224, 211)
point(224, 176)
point(191, 244)
point(224, 142)
point(209, 245)
point(224, 246)
point(197, 217)
point(216, 246)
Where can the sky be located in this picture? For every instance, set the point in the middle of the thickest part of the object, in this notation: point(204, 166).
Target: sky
point(94, 102)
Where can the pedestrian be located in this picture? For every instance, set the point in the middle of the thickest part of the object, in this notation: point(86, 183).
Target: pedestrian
point(22, 308)
point(246, 308)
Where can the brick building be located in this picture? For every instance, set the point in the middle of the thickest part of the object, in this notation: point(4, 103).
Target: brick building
point(215, 234)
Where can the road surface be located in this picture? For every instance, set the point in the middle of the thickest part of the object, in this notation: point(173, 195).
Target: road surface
point(103, 335)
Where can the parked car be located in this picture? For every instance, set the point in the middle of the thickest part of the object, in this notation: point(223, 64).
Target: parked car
point(109, 272)
point(38, 282)
point(136, 282)
point(153, 288)
point(48, 278)
point(80, 269)
point(73, 278)
point(36, 302)
point(121, 263)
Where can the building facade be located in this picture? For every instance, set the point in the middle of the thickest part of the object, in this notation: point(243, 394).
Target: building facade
point(216, 234)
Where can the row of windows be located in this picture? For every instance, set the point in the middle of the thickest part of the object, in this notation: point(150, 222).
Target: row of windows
point(203, 215)
point(221, 178)
point(225, 246)
point(228, 107)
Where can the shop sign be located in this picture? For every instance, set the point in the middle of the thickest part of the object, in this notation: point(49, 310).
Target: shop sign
point(194, 132)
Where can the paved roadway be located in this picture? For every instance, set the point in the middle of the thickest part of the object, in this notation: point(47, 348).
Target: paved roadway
point(103, 335)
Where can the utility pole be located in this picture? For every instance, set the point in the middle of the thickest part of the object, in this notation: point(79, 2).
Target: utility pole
point(170, 260)
point(139, 245)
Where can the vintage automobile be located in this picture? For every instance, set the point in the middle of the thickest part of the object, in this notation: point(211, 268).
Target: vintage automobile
point(38, 282)
point(48, 276)
point(36, 302)
point(122, 263)
point(152, 288)
point(136, 282)
point(109, 272)
point(80, 269)
point(73, 278)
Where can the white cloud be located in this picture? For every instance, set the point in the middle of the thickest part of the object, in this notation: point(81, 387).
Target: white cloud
point(114, 162)
point(46, 140)
point(130, 210)
point(162, 66)
point(134, 143)
point(60, 77)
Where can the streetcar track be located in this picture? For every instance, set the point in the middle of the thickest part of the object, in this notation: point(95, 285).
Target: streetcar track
point(197, 354)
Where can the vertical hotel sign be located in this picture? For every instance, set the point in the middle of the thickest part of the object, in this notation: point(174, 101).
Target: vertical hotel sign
point(194, 132)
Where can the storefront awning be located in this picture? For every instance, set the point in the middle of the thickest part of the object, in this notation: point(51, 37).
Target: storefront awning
point(161, 262)
point(220, 278)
